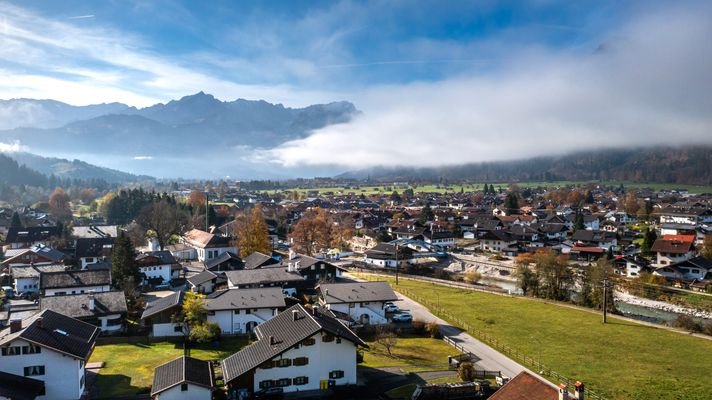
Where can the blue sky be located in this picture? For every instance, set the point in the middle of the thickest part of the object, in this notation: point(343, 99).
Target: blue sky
point(484, 80)
point(283, 50)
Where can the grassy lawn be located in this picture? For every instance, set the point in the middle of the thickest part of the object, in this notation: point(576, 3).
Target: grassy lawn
point(128, 367)
point(375, 189)
point(412, 352)
point(621, 360)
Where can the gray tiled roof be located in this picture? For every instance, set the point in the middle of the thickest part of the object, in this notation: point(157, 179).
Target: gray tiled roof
point(34, 271)
point(77, 305)
point(262, 275)
point(182, 370)
point(334, 293)
point(56, 331)
point(235, 299)
point(67, 279)
point(201, 277)
point(19, 387)
point(286, 330)
point(257, 259)
point(163, 304)
point(224, 257)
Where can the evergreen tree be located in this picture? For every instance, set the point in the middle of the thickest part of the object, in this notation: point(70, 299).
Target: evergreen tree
point(648, 239)
point(511, 203)
point(123, 262)
point(16, 222)
point(589, 197)
point(578, 222)
point(426, 214)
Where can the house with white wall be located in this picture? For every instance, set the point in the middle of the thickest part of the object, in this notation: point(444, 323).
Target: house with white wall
point(23, 238)
point(183, 378)
point(298, 350)
point(671, 249)
point(160, 266)
point(107, 310)
point(35, 255)
point(75, 282)
point(159, 315)
point(50, 349)
point(27, 278)
point(207, 245)
point(363, 302)
point(239, 311)
point(694, 269)
point(202, 282)
point(388, 255)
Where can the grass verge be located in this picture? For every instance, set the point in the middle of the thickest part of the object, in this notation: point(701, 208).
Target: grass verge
point(128, 367)
point(621, 360)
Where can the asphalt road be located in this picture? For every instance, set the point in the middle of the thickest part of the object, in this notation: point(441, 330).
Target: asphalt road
point(488, 358)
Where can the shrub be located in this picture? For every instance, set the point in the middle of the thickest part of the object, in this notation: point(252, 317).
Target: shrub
point(708, 329)
point(466, 371)
point(473, 277)
point(433, 330)
point(419, 327)
point(688, 323)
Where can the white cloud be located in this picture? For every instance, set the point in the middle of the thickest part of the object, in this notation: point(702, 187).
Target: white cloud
point(85, 65)
point(649, 84)
point(142, 158)
point(14, 147)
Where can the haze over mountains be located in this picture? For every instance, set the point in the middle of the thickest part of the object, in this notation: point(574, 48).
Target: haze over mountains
point(200, 136)
point(197, 136)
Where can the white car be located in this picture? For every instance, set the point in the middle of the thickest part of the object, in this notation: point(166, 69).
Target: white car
point(391, 308)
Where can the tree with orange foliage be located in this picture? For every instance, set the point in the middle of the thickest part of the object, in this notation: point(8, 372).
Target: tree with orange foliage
point(251, 232)
point(59, 204)
point(311, 233)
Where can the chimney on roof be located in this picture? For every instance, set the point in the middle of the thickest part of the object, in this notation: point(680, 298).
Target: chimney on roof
point(15, 325)
point(578, 390)
point(91, 300)
point(292, 254)
point(295, 315)
point(563, 392)
point(272, 341)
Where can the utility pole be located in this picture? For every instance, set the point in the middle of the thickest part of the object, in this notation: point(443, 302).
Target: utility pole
point(605, 299)
point(207, 204)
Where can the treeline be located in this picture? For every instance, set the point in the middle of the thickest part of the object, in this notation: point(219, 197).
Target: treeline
point(22, 185)
point(684, 165)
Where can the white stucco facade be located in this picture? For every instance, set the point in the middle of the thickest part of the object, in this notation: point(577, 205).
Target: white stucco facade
point(166, 329)
point(191, 392)
point(240, 322)
point(27, 285)
point(63, 375)
point(362, 312)
point(205, 254)
point(76, 290)
point(324, 358)
point(158, 271)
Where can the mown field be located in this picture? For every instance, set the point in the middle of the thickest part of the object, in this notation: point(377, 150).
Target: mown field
point(387, 189)
point(622, 360)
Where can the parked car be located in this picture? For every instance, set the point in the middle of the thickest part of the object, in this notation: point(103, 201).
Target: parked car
point(391, 308)
point(402, 317)
point(273, 393)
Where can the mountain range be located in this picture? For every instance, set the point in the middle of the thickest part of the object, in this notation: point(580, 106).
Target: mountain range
point(196, 136)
